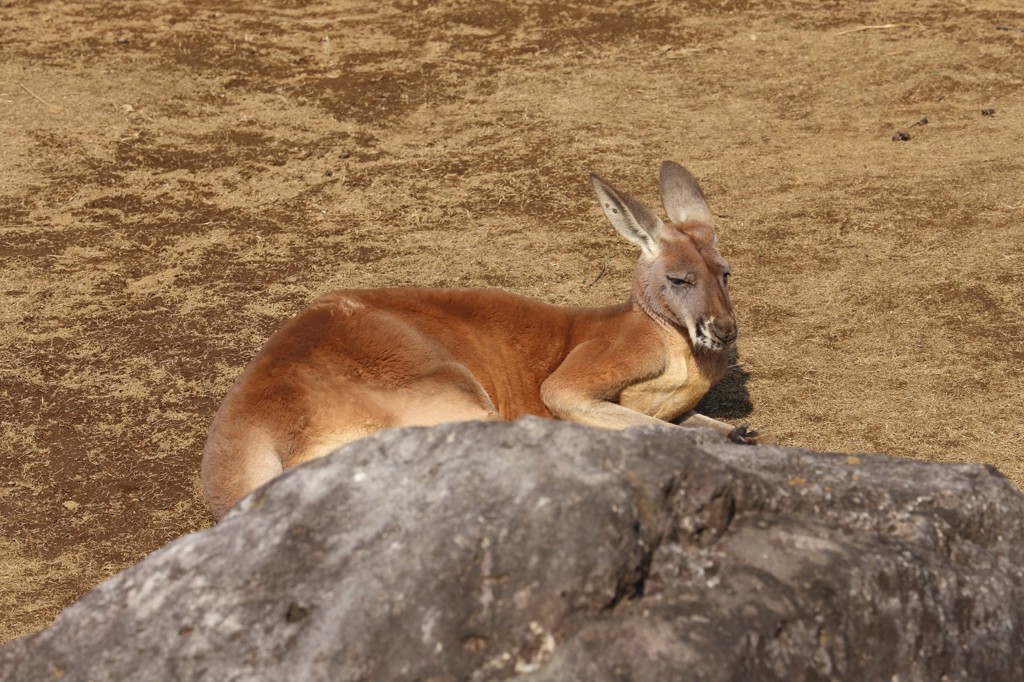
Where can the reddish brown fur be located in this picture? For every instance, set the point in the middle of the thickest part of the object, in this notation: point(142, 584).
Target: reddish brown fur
point(357, 361)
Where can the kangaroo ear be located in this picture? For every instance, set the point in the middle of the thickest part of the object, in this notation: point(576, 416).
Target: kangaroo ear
point(632, 219)
point(681, 195)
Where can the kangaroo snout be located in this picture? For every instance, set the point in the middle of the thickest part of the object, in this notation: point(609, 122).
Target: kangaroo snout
point(718, 332)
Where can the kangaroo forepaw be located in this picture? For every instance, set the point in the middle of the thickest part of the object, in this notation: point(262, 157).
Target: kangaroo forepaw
point(744, 435)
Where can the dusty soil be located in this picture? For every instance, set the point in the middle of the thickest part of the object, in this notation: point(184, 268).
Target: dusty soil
point(177, 179)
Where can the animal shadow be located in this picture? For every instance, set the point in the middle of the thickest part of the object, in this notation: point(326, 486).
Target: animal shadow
point(729, 399)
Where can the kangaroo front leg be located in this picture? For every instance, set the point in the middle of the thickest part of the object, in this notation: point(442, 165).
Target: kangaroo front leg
point(737, 434)
point(585, 386)
point(601, 413)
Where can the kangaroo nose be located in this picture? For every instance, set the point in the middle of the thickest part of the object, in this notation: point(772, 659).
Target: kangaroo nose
point(724, 330)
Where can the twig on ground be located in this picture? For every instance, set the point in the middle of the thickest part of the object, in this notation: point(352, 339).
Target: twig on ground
point(880, 27)
point(25, 88)
point(680, 52)
point(604, 266)
point(902, 136)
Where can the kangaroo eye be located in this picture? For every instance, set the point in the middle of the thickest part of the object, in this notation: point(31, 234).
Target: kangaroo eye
point(725, 277)
point(679, 281)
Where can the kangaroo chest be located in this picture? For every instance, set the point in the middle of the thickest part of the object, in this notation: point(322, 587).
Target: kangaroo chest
point(680, 386)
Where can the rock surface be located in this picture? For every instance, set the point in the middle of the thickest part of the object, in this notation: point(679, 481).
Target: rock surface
point(483, 551)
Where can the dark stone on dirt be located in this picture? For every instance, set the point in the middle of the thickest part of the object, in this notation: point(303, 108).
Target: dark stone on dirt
point(483, 551)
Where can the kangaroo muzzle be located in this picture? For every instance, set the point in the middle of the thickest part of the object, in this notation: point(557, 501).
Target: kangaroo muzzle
point(715, 334)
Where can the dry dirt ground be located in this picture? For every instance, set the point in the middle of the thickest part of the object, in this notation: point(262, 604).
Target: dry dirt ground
point(178, 178)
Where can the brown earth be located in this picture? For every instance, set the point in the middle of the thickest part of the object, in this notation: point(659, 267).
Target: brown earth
point(178, 178)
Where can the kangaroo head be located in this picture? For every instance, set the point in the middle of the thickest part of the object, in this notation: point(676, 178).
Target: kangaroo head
point(680, 278)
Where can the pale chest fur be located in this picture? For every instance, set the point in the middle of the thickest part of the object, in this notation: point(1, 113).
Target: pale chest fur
point(685, 379)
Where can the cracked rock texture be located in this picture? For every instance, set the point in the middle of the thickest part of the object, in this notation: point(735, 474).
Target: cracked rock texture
point(484, 551)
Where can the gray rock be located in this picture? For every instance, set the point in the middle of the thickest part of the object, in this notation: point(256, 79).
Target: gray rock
point(483, 551)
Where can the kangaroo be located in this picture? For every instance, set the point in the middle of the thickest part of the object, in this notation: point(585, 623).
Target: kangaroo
point(357, 361)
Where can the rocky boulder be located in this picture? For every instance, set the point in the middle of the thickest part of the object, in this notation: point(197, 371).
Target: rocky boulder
point(484, 551)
